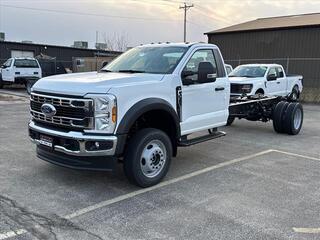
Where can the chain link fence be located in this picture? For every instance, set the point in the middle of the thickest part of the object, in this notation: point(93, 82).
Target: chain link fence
point(309, 68)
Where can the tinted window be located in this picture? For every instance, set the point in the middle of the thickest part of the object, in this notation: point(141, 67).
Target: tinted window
point(272, 71)
point(280, 73)
point(198, 57)
point(25, 63)
point(248, 71)
point(148, 59)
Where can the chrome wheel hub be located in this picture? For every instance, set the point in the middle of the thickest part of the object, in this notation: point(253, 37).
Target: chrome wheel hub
point(297, 119)
point(153, 158)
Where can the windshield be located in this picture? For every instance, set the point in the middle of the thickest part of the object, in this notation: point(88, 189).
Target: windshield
point(25, 63)
point(248, 71)
point(160, 60)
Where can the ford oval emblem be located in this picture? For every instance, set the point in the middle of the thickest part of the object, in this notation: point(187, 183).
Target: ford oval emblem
point(48, 110)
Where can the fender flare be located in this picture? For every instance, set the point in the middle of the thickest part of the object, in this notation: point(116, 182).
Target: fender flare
point(142, 107)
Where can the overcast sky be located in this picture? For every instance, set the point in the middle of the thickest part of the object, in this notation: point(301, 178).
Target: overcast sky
point(141, 21)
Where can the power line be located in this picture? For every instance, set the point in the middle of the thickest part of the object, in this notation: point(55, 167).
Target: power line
point(185, 7)
point(85, 14)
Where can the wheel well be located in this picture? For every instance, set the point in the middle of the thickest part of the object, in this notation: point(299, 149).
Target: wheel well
point(260, 90)
point(159, 119)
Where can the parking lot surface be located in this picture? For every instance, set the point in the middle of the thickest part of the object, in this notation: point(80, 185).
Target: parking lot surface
point(250, 184)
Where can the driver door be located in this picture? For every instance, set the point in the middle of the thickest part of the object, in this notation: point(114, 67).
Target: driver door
point(7, 73)
point(205, 103)
point(273, 83)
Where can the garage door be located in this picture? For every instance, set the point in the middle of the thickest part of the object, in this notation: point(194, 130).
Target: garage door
point(18, 53)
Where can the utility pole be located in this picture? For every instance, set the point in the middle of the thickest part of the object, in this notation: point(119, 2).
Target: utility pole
point(185, 7)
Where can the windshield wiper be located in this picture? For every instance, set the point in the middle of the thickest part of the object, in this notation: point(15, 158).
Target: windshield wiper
point(130, 71)
point(105, 70)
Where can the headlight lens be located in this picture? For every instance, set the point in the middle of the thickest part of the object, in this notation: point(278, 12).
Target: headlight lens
point(246, 88)
point(105, 112)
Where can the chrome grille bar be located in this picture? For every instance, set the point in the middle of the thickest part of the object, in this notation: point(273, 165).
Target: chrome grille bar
point(82, 109)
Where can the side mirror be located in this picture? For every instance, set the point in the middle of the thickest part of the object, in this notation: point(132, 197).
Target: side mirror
point(186, 77)
point(3, 66)
point(272, 77)
point(185, 74)
point(206, 72)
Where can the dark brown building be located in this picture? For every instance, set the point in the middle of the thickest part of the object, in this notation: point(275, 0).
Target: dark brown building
point(61, 55)
point(292, 41)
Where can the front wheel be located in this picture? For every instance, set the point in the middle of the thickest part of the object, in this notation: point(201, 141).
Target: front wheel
point(148, 157)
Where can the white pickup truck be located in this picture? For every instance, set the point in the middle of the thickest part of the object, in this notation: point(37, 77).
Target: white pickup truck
point(264, 79)
point(20, 71)
point(140, 108)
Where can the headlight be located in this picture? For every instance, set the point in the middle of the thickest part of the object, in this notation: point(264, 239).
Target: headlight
point(105, 112)
point(246, 88)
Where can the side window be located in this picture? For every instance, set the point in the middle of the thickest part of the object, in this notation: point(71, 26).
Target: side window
point(280, 73)
point(8, 63)
point(198, 57)
point(272, 71)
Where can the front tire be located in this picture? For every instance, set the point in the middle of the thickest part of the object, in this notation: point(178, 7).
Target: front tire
point(148, 157)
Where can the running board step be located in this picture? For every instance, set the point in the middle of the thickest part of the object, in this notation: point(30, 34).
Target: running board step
point(189, 142)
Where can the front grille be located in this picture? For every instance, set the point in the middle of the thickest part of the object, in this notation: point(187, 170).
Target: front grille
point(238, 88)
point(74, 113)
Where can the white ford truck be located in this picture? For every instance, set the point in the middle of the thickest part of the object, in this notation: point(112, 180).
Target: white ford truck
point(20, 71)
point(140, 108)
point(264, 79)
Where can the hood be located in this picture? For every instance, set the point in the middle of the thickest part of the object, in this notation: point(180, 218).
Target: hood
point(244, 79)
point(91, 82)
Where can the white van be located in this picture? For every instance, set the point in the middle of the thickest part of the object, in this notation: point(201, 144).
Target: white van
point(21, 71)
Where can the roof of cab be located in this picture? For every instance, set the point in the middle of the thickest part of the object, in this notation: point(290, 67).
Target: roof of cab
point(262, 64)
point(182, 44)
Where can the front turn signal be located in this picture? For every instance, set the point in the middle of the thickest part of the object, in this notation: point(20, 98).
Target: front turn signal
point(114, 114)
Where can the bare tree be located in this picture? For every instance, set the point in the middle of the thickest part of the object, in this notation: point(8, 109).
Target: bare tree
point(116, 41)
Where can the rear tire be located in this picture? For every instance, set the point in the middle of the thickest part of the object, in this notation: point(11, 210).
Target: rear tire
point(278, 116)
point(148, 157)
point(293, 119)
point(294, 96)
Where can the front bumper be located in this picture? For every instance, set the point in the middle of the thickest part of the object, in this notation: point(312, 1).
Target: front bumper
point(74, 149)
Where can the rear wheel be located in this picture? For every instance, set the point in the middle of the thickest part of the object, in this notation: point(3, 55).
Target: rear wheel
point(294, 96)
point(293, 118)
point(148, 157)
point(278, 116)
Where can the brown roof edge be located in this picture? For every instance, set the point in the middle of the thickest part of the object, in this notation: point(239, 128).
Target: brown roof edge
point(261, 29)
point(279, 22)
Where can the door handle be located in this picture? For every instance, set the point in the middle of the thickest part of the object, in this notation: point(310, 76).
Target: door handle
point(278, 82)
point(219, 88)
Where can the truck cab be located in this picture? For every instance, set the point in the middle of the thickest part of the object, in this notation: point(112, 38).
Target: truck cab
point(139, 108)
